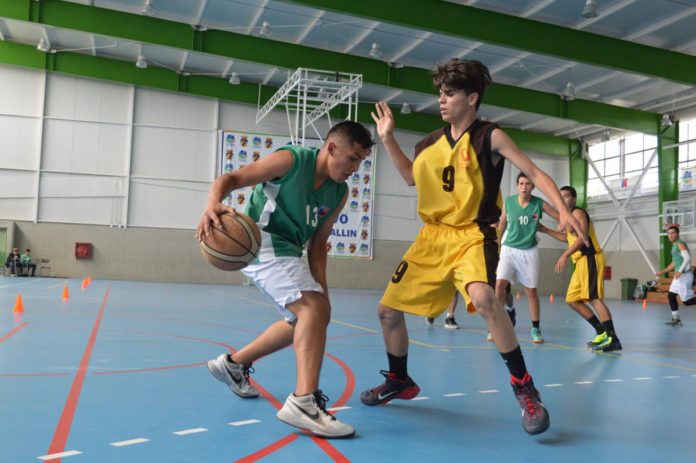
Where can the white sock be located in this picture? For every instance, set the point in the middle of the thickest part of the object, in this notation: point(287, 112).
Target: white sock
point(449, 315)
point(675, 315)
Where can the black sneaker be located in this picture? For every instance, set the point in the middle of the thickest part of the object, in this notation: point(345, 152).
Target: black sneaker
point(451, 323)
point(614, 345)
point(675, 323)
point(513, 316)
point(535, 418)
point(392, 388)
point(429, 321)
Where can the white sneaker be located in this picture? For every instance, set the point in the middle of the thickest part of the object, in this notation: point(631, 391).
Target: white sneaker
point(235, 375)
point(309, 412)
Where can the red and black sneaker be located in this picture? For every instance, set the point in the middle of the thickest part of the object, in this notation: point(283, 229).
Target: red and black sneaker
point(535, 418)
point(392, 388)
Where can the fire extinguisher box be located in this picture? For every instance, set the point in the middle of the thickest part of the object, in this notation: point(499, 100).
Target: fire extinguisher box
point(83, 250)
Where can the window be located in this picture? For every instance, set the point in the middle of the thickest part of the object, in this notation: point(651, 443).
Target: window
point(621, 163)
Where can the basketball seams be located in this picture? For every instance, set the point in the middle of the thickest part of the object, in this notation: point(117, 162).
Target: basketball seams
point(226, 250)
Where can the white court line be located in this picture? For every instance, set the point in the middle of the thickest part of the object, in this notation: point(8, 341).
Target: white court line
point(243, 423)
point(189, 431)
point(672, 377)
point(613, 380)
point(54, 456)
point(421, 398)
point(643, 378)
point(58, 285)
point(553, 385)
point(124, 443)
point(337, 409)
point(489, 391)
point(583, 382)
point(23, 283)
point(455, 394)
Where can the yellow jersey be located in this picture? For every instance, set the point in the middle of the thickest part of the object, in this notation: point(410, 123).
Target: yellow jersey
point(584, 250)
point(458, 181)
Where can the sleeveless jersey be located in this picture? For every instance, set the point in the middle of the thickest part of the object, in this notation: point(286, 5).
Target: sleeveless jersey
point(458, 181)
point(288, 210)
point(584, 250)
point(677, 258)
point(522, 222)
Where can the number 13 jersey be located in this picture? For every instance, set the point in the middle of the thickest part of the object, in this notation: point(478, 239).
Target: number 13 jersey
point(458, 181)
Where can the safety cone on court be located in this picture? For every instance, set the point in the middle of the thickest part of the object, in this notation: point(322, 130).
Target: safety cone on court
point(89, 280)
point(645, 304)
point(66, 295)
point(551, 298)
point(84, 283)
point(19, 305)
point(517, 296)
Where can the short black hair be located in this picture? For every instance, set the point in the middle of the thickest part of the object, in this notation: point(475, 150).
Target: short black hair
point(673, 227)
point(571, 190)
point(354, 132)
point(520, 175)
point(469, 75)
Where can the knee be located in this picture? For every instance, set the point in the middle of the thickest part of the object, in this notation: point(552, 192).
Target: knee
point(315, 307)
point(484, 302)
point(388, 317)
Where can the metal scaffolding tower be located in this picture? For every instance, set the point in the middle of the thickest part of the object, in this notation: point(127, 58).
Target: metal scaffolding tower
point(310, 94)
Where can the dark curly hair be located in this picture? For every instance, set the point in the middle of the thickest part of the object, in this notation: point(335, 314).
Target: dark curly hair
point(469, 75)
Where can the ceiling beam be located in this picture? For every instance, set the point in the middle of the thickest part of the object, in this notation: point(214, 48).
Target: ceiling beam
point(95, 67)
point(151, 30)
point(519, 33)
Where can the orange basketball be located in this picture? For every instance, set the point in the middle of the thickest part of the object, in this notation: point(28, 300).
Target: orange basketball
point(233, 246)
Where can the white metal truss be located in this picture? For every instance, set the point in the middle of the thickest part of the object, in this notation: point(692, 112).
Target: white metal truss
point(311, 94)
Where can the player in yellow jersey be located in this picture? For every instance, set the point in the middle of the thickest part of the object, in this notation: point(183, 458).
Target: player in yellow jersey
point(457, 172)
point(587, 282)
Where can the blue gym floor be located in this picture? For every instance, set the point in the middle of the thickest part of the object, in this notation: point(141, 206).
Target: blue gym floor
point(117, 374)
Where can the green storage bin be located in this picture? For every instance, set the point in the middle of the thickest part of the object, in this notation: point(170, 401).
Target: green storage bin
point(628, 287)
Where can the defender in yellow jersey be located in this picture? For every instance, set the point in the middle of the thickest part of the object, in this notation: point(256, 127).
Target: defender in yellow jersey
point(587, 282)
point(457, 172)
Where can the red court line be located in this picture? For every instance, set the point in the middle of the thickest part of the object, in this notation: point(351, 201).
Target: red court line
point(323, 444)
point(13, 332)
point(60, 436)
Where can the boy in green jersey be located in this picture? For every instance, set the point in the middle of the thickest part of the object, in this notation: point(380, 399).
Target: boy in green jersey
point(298, 195)
point(683, 281)
point(519, 256)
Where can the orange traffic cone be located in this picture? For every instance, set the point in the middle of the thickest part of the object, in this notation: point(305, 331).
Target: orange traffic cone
point(19, 305)
point(84, 283)
point(517, 296)
point(645, 304)
point(66, 295)
point(89, 280)
point(551, 298)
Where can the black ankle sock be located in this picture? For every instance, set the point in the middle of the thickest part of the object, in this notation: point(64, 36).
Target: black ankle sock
point(535, 324)
point(515, 362)
point(397, 365)
point(229, 358)
point(596, 324)
point(609, 327)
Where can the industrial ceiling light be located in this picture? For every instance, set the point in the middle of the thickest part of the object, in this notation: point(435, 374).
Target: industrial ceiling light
point(590, 10)
point(375, 51)
point(606, 136)
point(667, 121)
point(43, 45)
point(234, 79)
point(569, 92)
point(405, 108)
point(148, 10)
point(141, 62)
point(265, 29)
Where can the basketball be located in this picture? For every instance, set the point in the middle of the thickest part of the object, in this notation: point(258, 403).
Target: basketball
point(233, 246)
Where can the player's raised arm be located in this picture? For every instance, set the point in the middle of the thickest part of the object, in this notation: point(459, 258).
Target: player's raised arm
point(384, 119)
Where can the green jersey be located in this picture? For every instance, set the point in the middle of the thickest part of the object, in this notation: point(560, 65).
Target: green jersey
point(522, 222)
point(677, 258)
point(289, 210)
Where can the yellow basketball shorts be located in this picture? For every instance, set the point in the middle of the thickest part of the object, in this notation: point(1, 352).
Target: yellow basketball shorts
point(587, 282)
point(441, 261)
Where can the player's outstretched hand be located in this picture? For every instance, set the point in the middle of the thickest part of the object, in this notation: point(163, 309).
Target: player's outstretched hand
point(384, 119)
point(212, 214)
point(568, 222)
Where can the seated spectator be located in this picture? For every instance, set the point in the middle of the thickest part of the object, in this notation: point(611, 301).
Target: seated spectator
point(14, 262)
point(28, 263)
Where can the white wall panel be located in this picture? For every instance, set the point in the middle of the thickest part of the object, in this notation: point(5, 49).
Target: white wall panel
point(97, 211)
point(17, 184)
point(166, 109)
point(166, 204)
point(19, 142)
point(75, 186)
point(173, 153)
point(85, 147)
point(20, 91)
point(87, 100)
point(16, 209)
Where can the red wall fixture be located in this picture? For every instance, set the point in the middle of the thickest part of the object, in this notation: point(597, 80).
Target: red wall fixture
point(607, 272)
point(83, 250)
